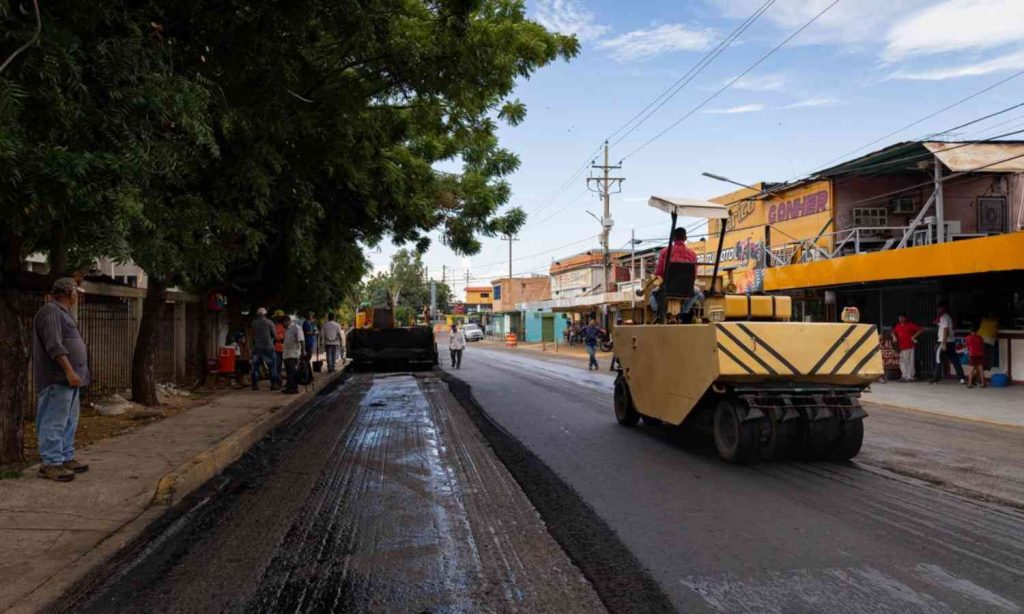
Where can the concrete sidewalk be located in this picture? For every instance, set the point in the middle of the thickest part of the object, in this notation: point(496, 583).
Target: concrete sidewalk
point(52, 534)
point(999, 406)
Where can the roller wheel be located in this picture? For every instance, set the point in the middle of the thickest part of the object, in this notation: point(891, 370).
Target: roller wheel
point(821, 437)
point(737, 441)
point(649, 421)
point(625, 413)
point(782, 439)
point(849, 443)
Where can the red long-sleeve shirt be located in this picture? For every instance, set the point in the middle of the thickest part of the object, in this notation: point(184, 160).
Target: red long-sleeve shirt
point(680, 253)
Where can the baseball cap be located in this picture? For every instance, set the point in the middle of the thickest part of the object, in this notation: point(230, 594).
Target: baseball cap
point(261, 311)
point(66, 286)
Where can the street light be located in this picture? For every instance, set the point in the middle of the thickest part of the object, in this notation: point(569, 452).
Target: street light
point(727, 180)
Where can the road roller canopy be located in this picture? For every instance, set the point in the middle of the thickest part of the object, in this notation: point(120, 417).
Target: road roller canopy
point(689, 207)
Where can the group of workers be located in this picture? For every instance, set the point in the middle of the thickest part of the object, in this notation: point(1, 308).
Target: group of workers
point(291, 343)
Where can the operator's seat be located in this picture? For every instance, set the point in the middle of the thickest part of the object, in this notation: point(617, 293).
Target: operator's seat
point(680, 277)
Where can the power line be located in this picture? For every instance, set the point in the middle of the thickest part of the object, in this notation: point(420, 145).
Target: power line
point(690, 74)
point(735, 79)
point(565, 184)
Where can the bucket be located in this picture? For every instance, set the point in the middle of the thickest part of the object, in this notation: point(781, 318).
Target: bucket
point(226, 360)
point(999, 380)
point(317, 365)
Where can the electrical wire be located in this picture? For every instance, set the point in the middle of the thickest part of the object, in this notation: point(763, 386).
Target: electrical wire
point(687, 77)
point(734, 79)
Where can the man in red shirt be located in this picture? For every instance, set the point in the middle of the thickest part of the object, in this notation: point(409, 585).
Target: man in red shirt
point(905, 333)
point(680, 253)
point(975, 359)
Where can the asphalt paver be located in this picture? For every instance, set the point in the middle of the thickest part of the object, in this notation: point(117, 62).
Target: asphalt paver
point(771, 537)
point(382, 497)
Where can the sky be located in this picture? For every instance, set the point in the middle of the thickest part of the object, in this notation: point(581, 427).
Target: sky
point(838, 89)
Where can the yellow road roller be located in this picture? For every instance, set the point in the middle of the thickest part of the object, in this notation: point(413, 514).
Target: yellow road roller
point(767, 388)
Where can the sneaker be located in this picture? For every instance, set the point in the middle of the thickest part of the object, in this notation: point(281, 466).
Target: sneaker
point(75, 466)
point(963, 382)
point(56, 473)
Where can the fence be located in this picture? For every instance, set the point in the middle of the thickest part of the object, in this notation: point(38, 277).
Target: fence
point(108, 318)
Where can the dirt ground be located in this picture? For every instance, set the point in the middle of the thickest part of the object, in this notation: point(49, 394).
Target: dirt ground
point(93, 427)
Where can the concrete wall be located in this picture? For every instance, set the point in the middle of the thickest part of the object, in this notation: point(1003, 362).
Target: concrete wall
point(521, 290)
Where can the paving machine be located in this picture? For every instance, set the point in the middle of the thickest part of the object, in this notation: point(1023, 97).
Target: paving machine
point(766, 387)
point(377, 341)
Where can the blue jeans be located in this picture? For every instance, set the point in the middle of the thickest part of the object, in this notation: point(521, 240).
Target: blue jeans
point(697, 297)
point(592, 353)
point(56, 422)
point(333, 353)
point(261, 357)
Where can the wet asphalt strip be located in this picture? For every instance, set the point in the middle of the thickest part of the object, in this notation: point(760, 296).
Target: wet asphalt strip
point(621, 581)
point(218, 551)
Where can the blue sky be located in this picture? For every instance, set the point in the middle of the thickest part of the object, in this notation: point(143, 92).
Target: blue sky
point(864, 69)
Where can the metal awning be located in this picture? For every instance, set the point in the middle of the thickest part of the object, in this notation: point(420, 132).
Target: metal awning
point(994, 157)
point(689, 207)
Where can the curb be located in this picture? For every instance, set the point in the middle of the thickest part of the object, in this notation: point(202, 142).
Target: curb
point(200, 469)
point(932, 412)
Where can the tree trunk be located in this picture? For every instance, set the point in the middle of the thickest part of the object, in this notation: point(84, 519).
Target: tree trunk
point(58, 250)
point(13, 382)
point(143, 384)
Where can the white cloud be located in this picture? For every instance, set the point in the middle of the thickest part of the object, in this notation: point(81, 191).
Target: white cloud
point(1007, 62)
point(811, 102)
point(764, 83)
point(657, 40)
point(957, 25)
point(853, 23)
point(743, 108)
point(568, 17)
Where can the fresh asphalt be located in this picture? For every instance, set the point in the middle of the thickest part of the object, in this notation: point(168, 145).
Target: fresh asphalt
point(772, 537)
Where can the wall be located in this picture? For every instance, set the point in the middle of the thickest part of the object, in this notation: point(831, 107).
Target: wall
point(520, 290)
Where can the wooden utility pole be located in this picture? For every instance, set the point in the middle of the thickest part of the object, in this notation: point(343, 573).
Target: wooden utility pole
point(605, 183)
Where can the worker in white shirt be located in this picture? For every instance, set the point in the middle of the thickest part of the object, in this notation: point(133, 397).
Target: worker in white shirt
point(946, 351)
point(334, 341)
point(456, 343)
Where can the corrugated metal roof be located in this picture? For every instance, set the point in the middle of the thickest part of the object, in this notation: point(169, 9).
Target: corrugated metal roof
point(994, 157)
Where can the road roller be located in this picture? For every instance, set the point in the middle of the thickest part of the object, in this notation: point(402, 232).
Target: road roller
point(734, 365)
point(377, 342)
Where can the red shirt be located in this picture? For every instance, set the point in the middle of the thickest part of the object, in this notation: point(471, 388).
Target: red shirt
point(680, 253)
point(975, 345)
point(905, 334)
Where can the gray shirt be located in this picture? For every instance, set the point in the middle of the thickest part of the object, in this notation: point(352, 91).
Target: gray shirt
point(263, 334)
point(55, 334)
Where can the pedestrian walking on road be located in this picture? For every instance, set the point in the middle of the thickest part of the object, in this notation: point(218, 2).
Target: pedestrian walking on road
point(334, 339)
point(294, 344)
point(947, 347)
point(975, 359)
point(60, 367)
point(456, 344)
point(263, 353)
point(905, 333)
point(591, 333)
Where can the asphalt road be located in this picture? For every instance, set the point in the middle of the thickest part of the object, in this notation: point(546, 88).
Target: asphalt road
point(909, 527)
point(382, 497)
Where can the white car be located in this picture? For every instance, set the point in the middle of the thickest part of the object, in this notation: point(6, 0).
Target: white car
point(473, 332)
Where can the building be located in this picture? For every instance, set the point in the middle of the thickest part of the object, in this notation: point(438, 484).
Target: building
point(521, 306)
point(583, 274)
point(128, 274)
point(894, 231)
point(478, 300)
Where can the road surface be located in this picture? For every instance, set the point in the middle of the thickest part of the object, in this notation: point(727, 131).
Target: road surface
point(384, 497)
point(909, 527)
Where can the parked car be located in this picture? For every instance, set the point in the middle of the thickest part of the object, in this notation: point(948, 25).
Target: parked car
point(473, 332)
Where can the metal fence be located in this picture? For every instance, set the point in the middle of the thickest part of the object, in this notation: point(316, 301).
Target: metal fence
point(108, 319)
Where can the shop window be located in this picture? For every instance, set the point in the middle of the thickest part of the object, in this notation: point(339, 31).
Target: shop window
point(870, 217)
point(992, 214)
point(485, 295)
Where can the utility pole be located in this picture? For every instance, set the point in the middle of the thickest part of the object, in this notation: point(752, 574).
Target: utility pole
point(506, 293)
point(444, 270)
point(632, 266)
point(604, 188)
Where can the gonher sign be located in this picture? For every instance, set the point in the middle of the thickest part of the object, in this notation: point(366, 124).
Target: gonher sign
point(797, 214)
point(798, 207)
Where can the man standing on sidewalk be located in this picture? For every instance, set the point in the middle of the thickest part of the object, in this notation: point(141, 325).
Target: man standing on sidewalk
point(263, 350)
point(294, 343)
point(905, 333)
point(456, 345)
point(309, 330)
point(947, 347)
point(60, 367)
point(334, 339)
point(590, 336)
